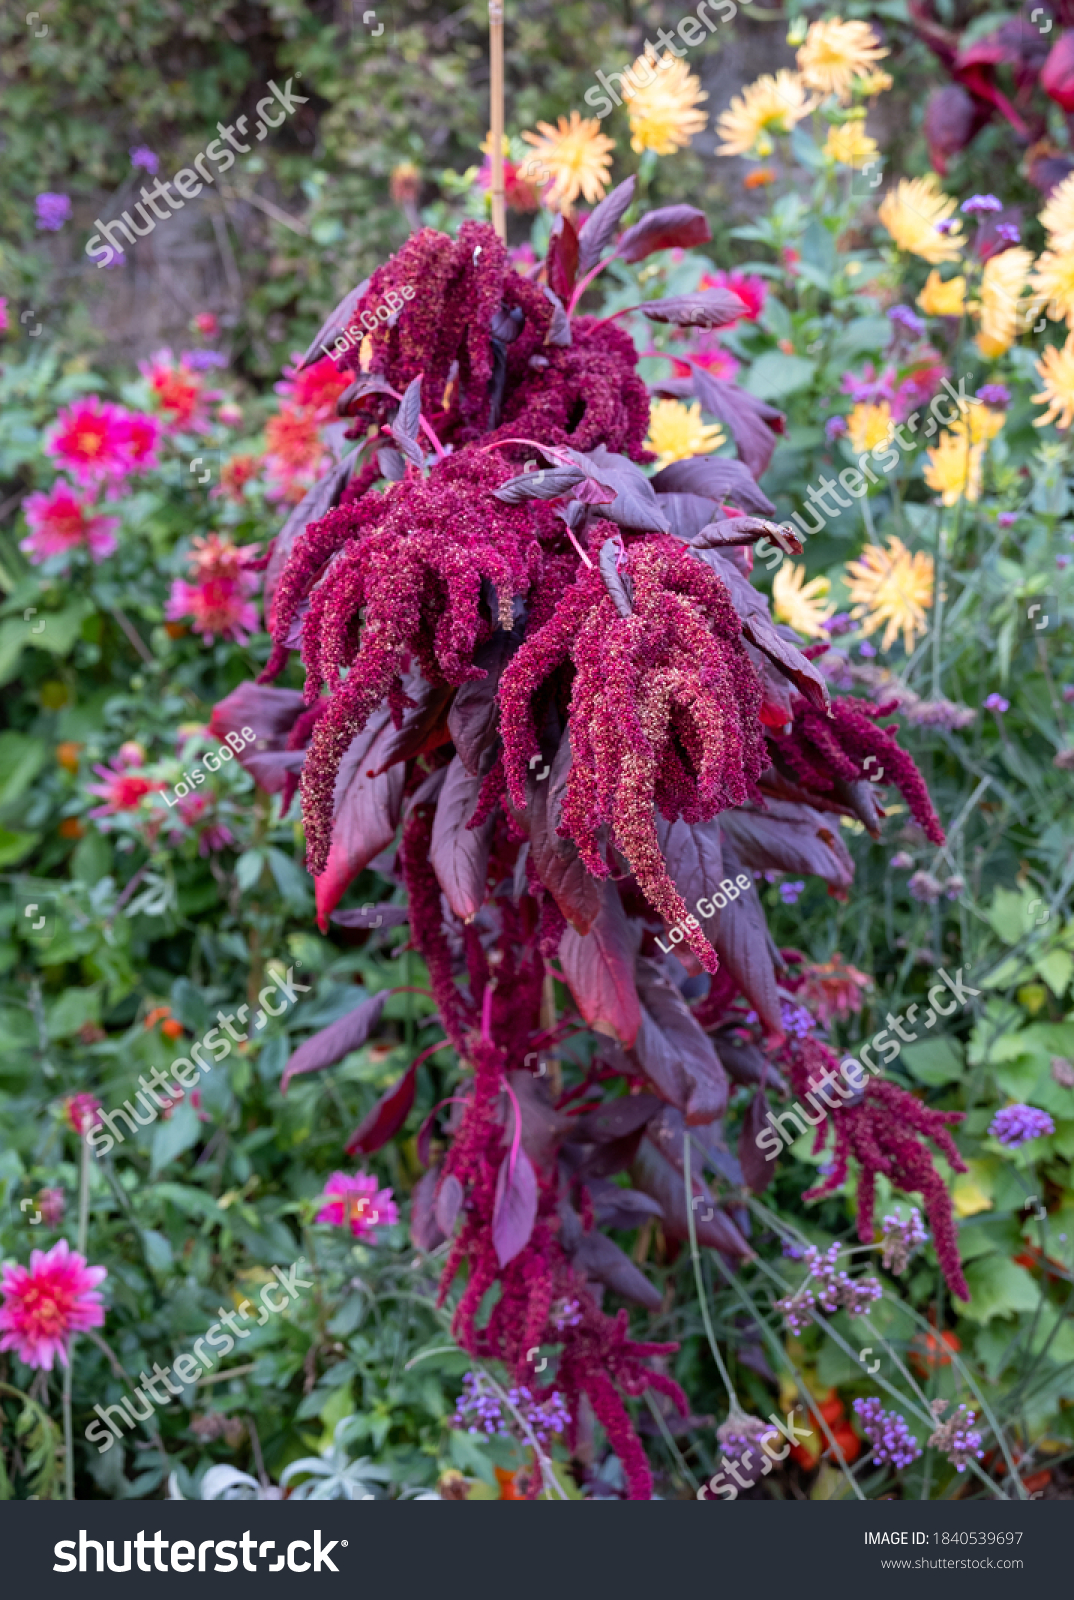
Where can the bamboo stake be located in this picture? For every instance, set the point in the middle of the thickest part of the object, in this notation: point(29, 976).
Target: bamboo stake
point(499, 219)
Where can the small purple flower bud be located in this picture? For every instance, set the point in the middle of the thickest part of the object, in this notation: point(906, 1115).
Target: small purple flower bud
point(978, 203)
point(996, 702)
point(1018, 1124)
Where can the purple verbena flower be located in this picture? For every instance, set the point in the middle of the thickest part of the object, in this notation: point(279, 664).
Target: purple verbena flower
point(902, 860)
point(925, 888)
point(978, 203)
point(201, 360)
point(789, 893)
point(994, 394)
point(834, 428)
point(907, 319)
point(1016, 1125)
point(794, 1019)
point(959, 1442)
point(142, 156)
point(866, 649)
point(1007, 519)
point(893, 1443)
point(839, 624)
point(1009, 232)
point(996, 702)
point(901, 1238)
point(52, 210)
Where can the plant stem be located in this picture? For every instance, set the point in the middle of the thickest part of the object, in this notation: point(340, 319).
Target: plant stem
point(68, 1371)
point(699, 1276)
point(499, 218)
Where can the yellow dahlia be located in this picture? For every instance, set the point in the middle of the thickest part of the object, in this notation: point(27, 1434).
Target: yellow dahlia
point(802, 605)
point(1057, 218)
point(999, 309)
point(1056, 369)
point(868, 84)
point(850, 145)
point(980, 423)
point(869, 425)
point(575, 155)
point(954, 467)
point(835, 52)
point(1053, 283)
point(663, 112)
point(676, 431)
point(943, 299)
point(910, 213)
point(771, 105)
point(894, 587)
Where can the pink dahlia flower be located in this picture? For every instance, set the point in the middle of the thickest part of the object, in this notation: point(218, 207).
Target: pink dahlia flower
point(47, 1303)
point(139, 440)
point(120, 789)
point(81, 1111)
point(87, 440)
point(218, 598)
point(358, 1203)
point(60, 521)
point(316, 389)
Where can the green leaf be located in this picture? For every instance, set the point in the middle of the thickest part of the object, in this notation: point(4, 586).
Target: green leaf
point(14, 846)
point(171, 1138)
point(934, 1061)
point(1057, 969)
point(998, 1288)
point(72, 1011)
point(292, 880)
point(158, 1252)
point(248, 868)
point(774, 375)
point(21, 759)
point(188, 1006)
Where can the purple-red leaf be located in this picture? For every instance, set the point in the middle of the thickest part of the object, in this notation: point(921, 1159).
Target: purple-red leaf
point(473, 719)
point(757, 1172)
point(753, 423)
point(600, 225)
point(335, 324)
point(387, 1116)
point(599, 971)
point(708, 308)
point(740, 935)
point(378, 916)
point(448, 1204)
point(366, 812)
point(670, 227)
point(717, 478)
point(786, 837)
point(601, 1259)
point(324, 1049)
point(514, 1209)
point(562, 258)
point(457, 854)
point(425, 1232)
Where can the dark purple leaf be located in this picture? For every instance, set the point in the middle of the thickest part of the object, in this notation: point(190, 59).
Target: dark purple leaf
point(425, 1232)
point(654, 1173)
point(747, 530)
point(336, 323)
point(599, 971)
point(686, 513)
point(547, 484)
point(616, 584)
point(717, 478)
point(740, 935)
point(693, 855)
point(785, 837)
point(616, 1207)
point(331, 1044)
point(387, 1116)
point(392, 464)
point(745, 1063)
point(635, 504)
point(757, 1172)
point(543, 1127)
point(556, 861)
point(270, 769)
point(457, 854)
point(363, 388)
point(365, 812)
point(408, 417)
point(448, 1205)
point(617, 1118)
point(473, 720)
point(708, 308)
point(705, 1082)
point(560, 332)
point(670, 227)
point(425, 723)
point(514, 1210)
point(380, 916)
point(599, 1258)
point(562, 259)
point(600, 225)
point(753, 423)
point(270, 713)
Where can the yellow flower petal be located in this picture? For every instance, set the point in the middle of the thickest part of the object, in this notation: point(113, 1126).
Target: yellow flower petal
point(799, 604)
point(910, 213)
point(676, 432)
point(663, 107)
point(894, 587)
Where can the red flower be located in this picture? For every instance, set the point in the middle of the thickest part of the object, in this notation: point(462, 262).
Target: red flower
point(81, 1111)
point(315, 389)
point(218, 599)
point(120, 790)
point(47, 1303)
point(88, 440)
point(295, 453)
point(178, 393)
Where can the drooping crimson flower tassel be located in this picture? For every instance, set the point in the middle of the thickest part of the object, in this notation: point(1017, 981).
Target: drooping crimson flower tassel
point(663, 713)
point(849, 746)
point(880, 1132)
